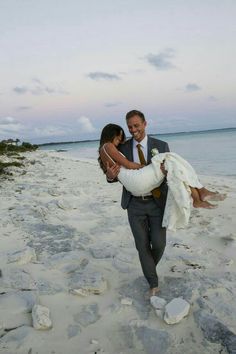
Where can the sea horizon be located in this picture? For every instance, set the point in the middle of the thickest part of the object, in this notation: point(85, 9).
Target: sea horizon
point(150, 134)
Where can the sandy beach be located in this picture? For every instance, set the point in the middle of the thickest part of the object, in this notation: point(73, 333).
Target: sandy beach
point(66, 245)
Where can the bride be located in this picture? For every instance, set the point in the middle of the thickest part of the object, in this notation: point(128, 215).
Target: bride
point(183, 183)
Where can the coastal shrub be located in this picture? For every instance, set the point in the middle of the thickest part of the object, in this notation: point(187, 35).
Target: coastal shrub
point(3, 148)
point(4, 165)
point(10, 148)
point(13, 151)
point(29, 146)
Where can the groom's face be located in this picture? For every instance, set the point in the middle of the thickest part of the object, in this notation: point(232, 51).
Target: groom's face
point(137, 127)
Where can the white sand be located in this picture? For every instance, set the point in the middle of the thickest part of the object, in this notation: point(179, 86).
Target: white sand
point(56, 204)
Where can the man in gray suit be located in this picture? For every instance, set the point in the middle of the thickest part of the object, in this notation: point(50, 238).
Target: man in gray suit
point(145, 213)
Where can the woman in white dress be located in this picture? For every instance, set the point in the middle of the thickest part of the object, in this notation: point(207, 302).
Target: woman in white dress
point(183, 183)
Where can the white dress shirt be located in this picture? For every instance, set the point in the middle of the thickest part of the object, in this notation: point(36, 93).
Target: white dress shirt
point(143, 144)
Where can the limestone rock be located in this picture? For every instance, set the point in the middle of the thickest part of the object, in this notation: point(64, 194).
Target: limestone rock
point(65, 204)
point(159, 305)
point(16, 279)
point(229, 262)
point(136, 290)
point(153, 341)
point(15, 309)
point(176, 287)
point(126, 301)
point(88, 315)
point(103, 251)
point(94, 341)
point(123, 262)
point(54, 192)
point(87, 283)
point(23, 256)
point(68, 262)
point(41, 317)
point(46, 287)
point(16, 338)
point(176, 310)
point(73, 330)
point(157, 302)
point(215, 331)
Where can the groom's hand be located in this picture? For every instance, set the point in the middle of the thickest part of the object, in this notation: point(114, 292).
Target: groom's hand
point(112, 172)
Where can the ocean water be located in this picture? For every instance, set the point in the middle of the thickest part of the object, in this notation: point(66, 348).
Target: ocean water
point(211, 152)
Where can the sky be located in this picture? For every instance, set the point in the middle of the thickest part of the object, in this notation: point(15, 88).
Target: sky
point(69, 67)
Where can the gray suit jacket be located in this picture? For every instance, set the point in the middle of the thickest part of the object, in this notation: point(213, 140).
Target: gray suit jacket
point(127, 150)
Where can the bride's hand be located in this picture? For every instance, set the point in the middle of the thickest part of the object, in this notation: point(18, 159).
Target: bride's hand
point(112, 172)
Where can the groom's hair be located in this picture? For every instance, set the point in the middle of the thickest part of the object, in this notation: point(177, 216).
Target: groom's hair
point(133, 113)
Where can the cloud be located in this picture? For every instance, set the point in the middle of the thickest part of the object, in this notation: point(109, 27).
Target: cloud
point(20, 90)
point(161, 61)
point(23, 108)
point(38, 88)
point(12, 128)
point(98, 75)
point(212, 99)
point(191, 87)
point(112, 104)
point(50, 131)
point(86, 125)
point(7, 120)
point(9, 126)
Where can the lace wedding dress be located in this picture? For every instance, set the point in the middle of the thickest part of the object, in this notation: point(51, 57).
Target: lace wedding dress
point(180, 176)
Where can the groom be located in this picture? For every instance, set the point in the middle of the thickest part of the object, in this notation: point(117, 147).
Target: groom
point(145, 213)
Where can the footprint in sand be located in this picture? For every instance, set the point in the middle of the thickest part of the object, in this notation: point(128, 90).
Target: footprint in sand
point(186, 266)
point(181, 245)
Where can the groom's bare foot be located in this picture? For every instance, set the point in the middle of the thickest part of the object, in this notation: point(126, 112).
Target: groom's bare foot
point(154, 291)
point(204, 204)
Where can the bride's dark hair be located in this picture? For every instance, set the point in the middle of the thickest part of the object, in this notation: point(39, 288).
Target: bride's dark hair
point(109, 132)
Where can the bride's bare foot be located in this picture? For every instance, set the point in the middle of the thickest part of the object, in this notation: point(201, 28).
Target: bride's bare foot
point(206, 195)
point(153, 291)
point(204, 204)
point(217, 197)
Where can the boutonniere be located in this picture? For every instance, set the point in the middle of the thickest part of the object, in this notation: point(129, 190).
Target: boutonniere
point(154, 152)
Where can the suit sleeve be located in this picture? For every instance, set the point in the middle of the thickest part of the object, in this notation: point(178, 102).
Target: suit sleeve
point(167, 149)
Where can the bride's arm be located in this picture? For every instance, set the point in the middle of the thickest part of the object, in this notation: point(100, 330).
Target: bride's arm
point(120, 159)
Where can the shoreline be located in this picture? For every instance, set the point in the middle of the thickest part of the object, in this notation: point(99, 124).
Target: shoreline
point(66, 155)
point(69, 219)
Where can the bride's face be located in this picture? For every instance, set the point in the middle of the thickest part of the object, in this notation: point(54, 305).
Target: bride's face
point(117, 140)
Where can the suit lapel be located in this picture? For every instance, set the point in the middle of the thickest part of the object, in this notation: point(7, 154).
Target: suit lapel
point(127, 149)
point(149, 149)
point(130, 152)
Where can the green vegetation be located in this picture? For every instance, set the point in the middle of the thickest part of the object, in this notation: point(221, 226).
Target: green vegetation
point(3, 165)
point(11, 149)
point(6, 148)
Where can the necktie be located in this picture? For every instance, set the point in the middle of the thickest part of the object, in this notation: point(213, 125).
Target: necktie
point(155, 192)
point(141, 155)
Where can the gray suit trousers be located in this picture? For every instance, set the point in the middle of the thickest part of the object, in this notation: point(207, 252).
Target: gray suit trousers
point(145, 218)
